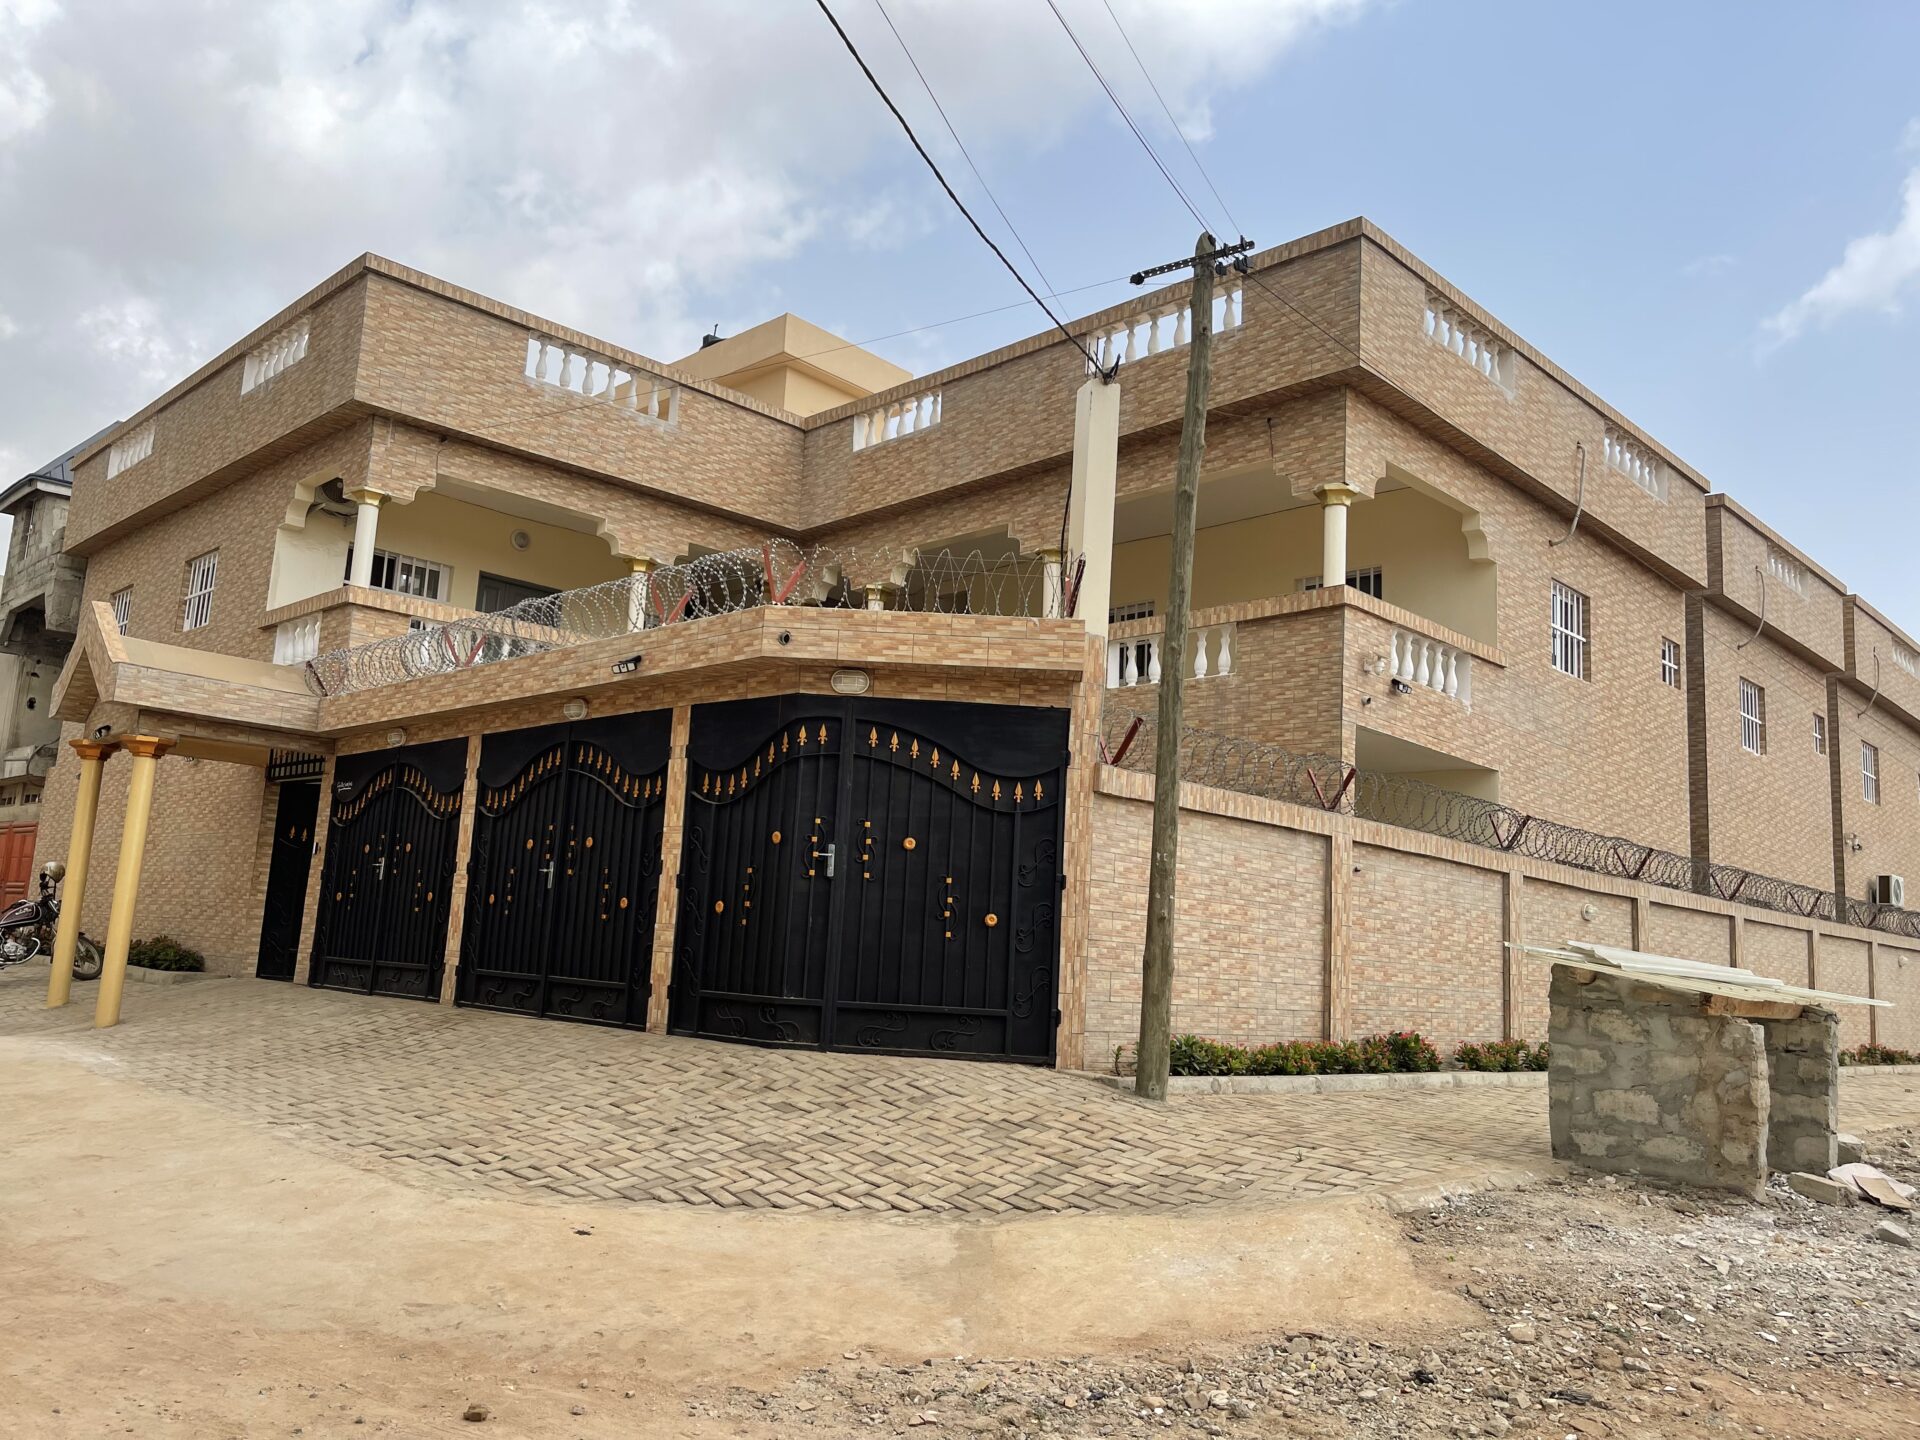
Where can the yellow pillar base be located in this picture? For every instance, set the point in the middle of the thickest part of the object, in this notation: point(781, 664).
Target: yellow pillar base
point(146, 751)
point(86, 803)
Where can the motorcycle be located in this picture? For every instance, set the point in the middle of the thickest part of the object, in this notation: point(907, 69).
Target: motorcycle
point(27, 926)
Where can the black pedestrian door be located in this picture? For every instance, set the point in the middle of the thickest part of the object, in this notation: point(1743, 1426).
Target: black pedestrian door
point(391, 839)
point(565, 871)
point(287, 870)
point(872, 875)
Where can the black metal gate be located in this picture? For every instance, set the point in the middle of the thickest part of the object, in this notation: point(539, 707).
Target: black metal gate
point(287, 870)
point(872, 875)
point(564, 878)
point(391, 838)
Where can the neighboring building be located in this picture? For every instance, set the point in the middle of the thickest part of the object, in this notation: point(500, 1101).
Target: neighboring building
point(787, 738)
point(39, 609)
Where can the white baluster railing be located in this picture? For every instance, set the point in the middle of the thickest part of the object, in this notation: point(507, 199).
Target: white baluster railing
point(296, 641)
point(596, 377)
point(1427, 664)
point(1457, 332)
point(1167, 326)
point(892, 422)
point(1137, 660)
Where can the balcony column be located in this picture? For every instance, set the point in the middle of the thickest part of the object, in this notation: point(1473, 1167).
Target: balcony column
point(1334, 500)
point(1053, 594)
point(638, 614)
point(146, 751)
point(86, 802)
point(366, 531)
point(1096, 470)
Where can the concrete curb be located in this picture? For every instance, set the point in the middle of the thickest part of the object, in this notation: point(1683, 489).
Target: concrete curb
point(161, 977)
point(1434, 1195)
point(1330, 1084)
point(1846, 1070)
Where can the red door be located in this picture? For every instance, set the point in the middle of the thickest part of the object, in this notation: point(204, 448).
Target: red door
point(16, 861)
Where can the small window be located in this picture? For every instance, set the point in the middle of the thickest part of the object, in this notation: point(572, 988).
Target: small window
point(1753, 717)
point(122, 607)
point(1870, 773)
point(1569, 631)
point(1819, 733)
point(201, 573)
point(1670, 664)
point(1367, 582)
point(1132, 610)
point(407, 575)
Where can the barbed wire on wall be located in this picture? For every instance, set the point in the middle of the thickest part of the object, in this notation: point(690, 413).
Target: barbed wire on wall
point(780, 572)
point(1325, 782)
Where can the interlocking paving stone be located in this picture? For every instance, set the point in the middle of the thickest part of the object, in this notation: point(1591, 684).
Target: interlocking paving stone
point(443, 1097)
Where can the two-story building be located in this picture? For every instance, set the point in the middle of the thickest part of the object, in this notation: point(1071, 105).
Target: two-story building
point(461, 655)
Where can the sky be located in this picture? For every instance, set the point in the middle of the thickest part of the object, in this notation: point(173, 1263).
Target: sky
point(1709, 213)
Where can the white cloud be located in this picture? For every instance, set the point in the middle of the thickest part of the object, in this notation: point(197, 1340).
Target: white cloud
point(1708, 265)
point(628, 169)
point(1876, 273)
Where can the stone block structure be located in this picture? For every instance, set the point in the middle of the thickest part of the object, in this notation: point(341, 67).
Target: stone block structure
point(1650, 1080)
point(1803, 1085)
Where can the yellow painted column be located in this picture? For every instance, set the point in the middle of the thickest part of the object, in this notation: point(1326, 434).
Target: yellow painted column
point(1335, 498)
point(146, 751)
point(86, 802)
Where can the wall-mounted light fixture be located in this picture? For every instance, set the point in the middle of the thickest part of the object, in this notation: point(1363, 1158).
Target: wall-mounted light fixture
point(1379, 665)
point(520, 540)
point(850, 682)
point(575, 709)
point(396, 736)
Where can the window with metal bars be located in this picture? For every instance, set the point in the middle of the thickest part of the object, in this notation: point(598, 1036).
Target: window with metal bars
point(1870, 773)
point(1670, 664)
point(122, 607)
point(407, 575)
point(1753, 717)
point(1570, 638)
point(202, 571)
point(1367, 582)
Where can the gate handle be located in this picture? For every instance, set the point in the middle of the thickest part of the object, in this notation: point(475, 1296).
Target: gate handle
point(826, 854)
point(380, 867)
point(547, 870)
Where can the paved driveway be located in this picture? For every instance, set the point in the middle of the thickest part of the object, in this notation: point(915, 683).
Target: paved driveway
point(458, 1097)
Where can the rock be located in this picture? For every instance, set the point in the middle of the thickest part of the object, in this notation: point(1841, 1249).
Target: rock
point(1219, 1400)
point(1893, 1233)
point(578, 1410)
point(476, 1413)
point(1820, 1189)
point(1498, 1425)
point(1852, 1151)
point(1154, 1402)
point(1240, 1410)
point(979, 1385)
point(1522, 1333)
point(1634, 1362)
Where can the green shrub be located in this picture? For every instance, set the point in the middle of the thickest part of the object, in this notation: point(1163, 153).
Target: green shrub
point(1374, 1055)
point(163, 952)
point(1500, 1055)
point(1878, 1055)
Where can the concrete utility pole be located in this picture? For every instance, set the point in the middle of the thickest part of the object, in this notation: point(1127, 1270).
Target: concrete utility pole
point(1151, 1057)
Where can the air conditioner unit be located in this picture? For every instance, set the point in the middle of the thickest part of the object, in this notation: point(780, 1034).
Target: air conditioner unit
point(1890, 890)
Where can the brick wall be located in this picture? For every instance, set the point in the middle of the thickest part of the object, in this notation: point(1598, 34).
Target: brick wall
point(1843, 967)
point(1774, 950)
point(1689, 934)
point(1896, 977)
point(1247, 929)
point(1426, 947)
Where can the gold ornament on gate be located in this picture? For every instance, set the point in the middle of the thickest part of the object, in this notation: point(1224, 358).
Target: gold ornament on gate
point(908, 843)
point(992, 920)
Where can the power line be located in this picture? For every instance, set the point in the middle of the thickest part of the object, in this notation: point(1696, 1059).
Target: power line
point(928, 87)
point(1167, 110)
point(1151, 154)
point(959, 204)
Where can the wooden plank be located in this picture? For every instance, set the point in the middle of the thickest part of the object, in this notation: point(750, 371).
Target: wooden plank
point(1751, 1009)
